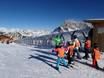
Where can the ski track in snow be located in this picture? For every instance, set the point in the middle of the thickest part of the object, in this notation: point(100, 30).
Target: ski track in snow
point(18, 61)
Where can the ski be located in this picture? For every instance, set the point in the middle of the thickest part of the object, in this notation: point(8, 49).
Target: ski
point(58, 70)
point(72, 66)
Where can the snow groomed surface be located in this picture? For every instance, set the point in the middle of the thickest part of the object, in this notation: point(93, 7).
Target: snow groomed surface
point(18, 61)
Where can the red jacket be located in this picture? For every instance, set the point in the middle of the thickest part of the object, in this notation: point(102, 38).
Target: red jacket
point(88, 44)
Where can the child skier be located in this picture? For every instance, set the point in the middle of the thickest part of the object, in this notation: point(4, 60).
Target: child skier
point(96, 56)
point(77, 46)
point(70, 55)
point(87, 47)
point(57, 40)
point(60, 53)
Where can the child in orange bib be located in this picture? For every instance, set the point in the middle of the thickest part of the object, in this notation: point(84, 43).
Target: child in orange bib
point(60, 53)
point(70, 55)
point(96, 56)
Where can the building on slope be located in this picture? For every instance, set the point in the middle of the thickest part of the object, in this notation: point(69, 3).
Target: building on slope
point(97, 32)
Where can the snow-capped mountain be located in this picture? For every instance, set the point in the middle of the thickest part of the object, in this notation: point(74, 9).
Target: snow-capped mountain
point(24, 32)
point(71, 25)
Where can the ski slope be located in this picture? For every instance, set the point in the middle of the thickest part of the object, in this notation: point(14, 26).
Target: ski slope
point(17, 61)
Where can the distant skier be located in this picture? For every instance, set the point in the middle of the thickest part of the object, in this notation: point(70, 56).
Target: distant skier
point(96, 56)
point(60, 57)
point(87, 47)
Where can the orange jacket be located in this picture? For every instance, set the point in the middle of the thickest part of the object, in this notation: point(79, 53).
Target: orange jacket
point(71, 50)
point(88, 44)
point(97, 54)
point(60, 51)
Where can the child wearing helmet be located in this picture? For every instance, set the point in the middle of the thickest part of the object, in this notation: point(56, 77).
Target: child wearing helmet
point(60, 56)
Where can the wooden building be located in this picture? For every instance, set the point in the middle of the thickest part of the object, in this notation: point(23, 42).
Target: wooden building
point(97, 32)
point(5, 39)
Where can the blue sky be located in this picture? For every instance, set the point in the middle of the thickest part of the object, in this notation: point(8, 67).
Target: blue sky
point(47, 14)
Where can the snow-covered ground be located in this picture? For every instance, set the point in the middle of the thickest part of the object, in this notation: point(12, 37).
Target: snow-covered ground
point(17, 61)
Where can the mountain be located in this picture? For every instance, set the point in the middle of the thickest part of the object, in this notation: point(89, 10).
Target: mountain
point(72, 25)
point(24, 32)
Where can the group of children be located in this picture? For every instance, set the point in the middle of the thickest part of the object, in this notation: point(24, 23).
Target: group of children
point(72, 52)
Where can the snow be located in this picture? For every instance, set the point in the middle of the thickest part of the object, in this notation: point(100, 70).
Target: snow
point(17, 61)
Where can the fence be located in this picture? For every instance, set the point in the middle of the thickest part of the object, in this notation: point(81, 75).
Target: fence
point(37, 41)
